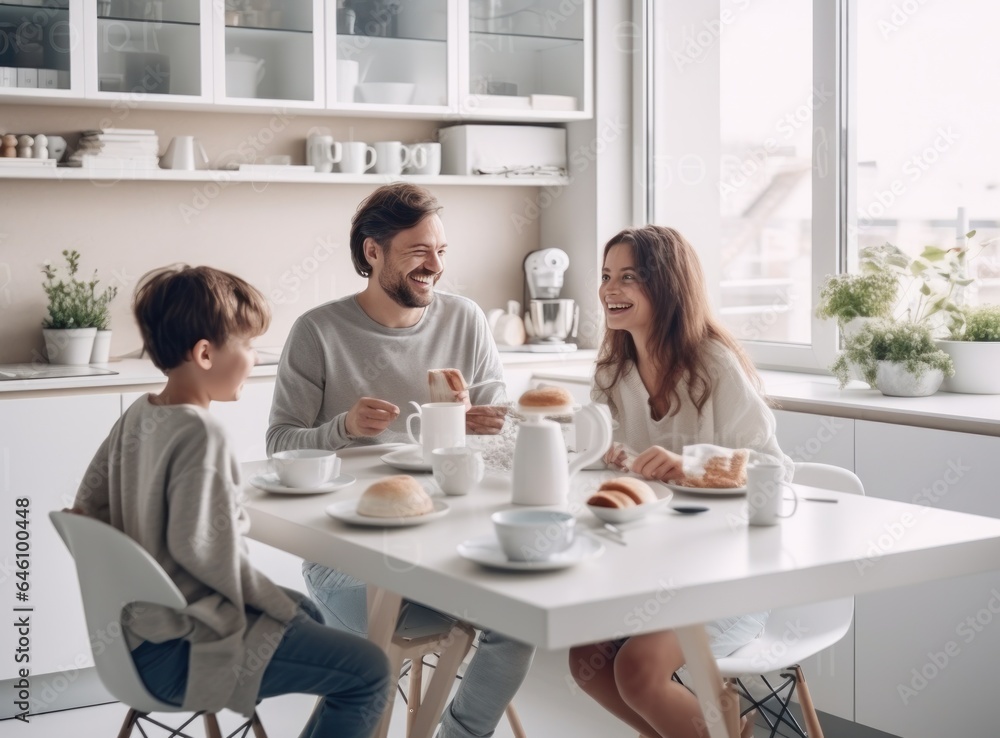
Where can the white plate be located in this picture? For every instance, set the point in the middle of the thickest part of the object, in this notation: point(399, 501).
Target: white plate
point(408, 458)
point(346, 511)
point(270, 483)
point(628, 514)
point(486, 550)
point(723, 492)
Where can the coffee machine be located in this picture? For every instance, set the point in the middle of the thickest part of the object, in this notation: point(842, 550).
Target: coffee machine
point(548, 320)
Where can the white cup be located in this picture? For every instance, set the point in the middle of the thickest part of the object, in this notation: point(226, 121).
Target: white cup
point(184, 152)
point(442, 425)
point(765, 494)
point(457, 469)
point(392, 157)
point(357, 157)
point(347, 79)
point(426, 159)
point(322, 152)
point(306, 468)
point(533, 535)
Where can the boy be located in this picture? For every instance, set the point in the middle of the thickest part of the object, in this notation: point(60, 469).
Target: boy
point(167, 478)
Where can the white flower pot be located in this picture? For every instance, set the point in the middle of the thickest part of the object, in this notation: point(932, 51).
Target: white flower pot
point(102, 348)
point(69, 345)
point(977, 367)
point(894, 379)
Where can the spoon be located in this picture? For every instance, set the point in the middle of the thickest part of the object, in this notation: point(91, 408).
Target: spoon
point(689, 509)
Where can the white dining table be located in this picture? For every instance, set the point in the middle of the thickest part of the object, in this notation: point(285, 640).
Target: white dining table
point(675, 571)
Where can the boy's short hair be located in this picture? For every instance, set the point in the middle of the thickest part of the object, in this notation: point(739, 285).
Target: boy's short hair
point(179, 305)
point(384, 213)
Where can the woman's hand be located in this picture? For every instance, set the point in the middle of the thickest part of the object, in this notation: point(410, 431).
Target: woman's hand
point(617, 457)
point(659, 464)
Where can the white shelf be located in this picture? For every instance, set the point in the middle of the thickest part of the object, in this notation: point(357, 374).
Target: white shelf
point(230, 176)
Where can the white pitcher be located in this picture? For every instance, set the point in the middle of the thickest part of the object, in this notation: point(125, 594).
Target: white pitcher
point(541, 473)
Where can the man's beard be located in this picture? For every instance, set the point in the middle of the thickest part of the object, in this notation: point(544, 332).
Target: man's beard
point(398, 288)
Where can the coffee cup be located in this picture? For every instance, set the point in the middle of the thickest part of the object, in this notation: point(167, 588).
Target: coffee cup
point(426, 159)
point(457, 469)
point(306, 468)
point(442, 425)
point(392, 157)
point(322, 152)
point(534, 535)
point(765, 494)
point(357, 157)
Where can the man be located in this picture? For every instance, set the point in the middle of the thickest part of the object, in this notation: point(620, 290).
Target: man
point(349, 366)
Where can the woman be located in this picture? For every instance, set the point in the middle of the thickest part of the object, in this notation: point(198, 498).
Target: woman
point(671, 375)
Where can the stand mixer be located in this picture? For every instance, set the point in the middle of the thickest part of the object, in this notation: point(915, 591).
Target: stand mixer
point(548, 320)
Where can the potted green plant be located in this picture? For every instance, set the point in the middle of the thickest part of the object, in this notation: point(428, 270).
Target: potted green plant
point(75, 312)
point(974, 349)
point(897, 358)
point(850, 298)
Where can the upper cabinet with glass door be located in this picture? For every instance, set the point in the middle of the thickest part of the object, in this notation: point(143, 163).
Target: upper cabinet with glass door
point(147, 50)
point(391, 55)
point(270, 52)
point(527, 59)
point(40, 50)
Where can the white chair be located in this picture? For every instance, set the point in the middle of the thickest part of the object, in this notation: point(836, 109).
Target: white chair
point(115, 571)
point(813, 628)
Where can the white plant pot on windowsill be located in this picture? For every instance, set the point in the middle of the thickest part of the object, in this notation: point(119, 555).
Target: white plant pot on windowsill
point(72, 346)
point(894, 379)
point(102, 348)
point(977, 367)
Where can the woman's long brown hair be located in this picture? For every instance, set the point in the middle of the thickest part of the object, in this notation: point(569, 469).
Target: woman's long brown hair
point(671, 277)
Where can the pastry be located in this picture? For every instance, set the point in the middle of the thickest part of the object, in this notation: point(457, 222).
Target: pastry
point(640, 492)
point(546, 398)
point(445, 384)
point(721, 472)
point(399, 496)
point(611, 498)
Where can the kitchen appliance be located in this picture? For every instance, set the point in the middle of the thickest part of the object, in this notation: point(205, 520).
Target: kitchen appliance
point(548, 319)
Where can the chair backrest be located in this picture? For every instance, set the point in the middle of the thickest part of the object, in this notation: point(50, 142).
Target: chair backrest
point(828, 476)
point(115, 571)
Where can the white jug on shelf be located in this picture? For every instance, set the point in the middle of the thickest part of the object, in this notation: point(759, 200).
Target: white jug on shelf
point(243, 74)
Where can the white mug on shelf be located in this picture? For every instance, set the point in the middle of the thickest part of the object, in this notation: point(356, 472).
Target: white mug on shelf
point(765, 494)
point(442, 425)
point(426, 159)
point(322, 152)
point(357, 157)
point(392, 157)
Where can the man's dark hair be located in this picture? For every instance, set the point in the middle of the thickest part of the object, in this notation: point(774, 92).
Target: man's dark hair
point(384, 213)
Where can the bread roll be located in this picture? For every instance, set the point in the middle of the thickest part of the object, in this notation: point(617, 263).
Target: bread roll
point(611, 498)
point(546, 397)
point(399, 496)
point(721, 472)
point(636, 489)
point(445, 384)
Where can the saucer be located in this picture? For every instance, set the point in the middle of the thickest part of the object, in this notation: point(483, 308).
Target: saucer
point(346, 511)
point(720, 492)
point(270, 483)
point(408, 458)
point(486, 550)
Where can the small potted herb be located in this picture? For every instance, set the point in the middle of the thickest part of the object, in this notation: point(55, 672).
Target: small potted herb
point(897, 358)
point(848, 297)
point(975, 350)
point(75, 312)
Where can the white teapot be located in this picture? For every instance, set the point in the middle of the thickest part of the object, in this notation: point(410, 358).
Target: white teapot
point(243, 74)
point(541, 474)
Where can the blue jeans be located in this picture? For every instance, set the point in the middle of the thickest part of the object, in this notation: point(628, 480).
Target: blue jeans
point(494, 675)
point(351, 674)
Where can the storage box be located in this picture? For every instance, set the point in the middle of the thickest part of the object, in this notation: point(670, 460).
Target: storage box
point(48, 79)
point(8, 77)
point(471, 149)
point(27, 77)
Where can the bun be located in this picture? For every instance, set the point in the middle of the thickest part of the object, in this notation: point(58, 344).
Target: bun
point(546, 397)
point(399, 496)
point(640, 492)
point(445, 384)
point(611, 498)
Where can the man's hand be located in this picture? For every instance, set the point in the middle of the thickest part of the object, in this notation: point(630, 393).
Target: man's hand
point(485, 420)
point(659, 464)
point(370, 416)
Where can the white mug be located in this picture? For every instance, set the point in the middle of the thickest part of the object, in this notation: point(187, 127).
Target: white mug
point(392, 157)
point(457, 469)
point(765, 494)
point(347, 79)
point(322, 152)
point(357, 157)
point(306, 468)
point(426, 159)
point(442, 425)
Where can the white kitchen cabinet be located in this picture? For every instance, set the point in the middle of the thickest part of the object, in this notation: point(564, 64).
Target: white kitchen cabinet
point(926, 654)
point(39, 56)
point(45, 447)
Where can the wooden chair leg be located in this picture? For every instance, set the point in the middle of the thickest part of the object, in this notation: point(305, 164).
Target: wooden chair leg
point(515, 722)
point(211, 726)
point(730, 702)
point(460, 641)
point(130, 718)
point(806, 703)
point(257, 726)
point(395, 665)
point(416, 695)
